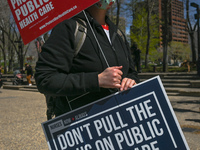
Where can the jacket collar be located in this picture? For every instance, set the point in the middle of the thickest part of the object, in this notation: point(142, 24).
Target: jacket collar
point(93, 21)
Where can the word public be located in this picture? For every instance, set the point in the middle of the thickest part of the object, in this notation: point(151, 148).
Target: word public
point(27, 11)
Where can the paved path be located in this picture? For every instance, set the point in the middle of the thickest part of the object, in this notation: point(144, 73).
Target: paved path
point(21, 115)
point(22, 112)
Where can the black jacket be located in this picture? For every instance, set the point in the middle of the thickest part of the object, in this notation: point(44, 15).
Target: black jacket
point(59, 73)
point(29, 70)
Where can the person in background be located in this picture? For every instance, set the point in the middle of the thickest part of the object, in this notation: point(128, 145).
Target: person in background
point(94, 72)
point(29, 73)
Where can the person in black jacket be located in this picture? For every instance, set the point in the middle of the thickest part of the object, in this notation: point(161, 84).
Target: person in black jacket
point(29, 73)
point(88, 76)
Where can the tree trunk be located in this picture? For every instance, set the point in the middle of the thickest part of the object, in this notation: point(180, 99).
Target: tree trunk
point(148, 35)
point(118, 12)
point(10, 50)
point(193, 47)
point(191, 32)
point(4, 52)
point(21, 59)
point(165, 35)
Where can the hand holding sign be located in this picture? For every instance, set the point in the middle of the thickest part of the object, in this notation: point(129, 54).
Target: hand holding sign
point(111, 77)
point(127, 83)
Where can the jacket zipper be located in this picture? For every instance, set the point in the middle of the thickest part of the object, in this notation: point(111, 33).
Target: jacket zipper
point(114, 51)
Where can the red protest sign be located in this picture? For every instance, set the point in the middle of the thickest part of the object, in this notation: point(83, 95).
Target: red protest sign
point(35, 17)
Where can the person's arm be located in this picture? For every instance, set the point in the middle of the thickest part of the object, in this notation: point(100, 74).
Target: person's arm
point(53, 75)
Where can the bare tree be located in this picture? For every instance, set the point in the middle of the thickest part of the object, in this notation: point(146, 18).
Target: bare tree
point(149, 7)
point(3, 31)
point(11, 52)
point(10, 37)
point(191, 31)
point(148, 32)
point(119, 2)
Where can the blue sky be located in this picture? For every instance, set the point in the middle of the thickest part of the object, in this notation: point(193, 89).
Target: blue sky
point(196, 1)
point(192, 9)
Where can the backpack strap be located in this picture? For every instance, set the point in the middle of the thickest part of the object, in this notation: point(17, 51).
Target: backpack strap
point(121, 34)
point(80, 35)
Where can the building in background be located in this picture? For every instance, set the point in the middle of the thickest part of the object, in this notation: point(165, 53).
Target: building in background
point(177, 23)
point(177, 30)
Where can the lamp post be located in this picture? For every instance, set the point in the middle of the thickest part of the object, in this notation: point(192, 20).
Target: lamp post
point(197, 16)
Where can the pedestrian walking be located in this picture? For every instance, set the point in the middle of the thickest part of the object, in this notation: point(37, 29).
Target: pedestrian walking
point(29, 73)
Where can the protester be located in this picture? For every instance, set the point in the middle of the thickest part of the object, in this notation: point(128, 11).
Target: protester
point(29, 73)
point(91, 74)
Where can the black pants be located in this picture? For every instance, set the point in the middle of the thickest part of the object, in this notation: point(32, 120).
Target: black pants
point(1, 83)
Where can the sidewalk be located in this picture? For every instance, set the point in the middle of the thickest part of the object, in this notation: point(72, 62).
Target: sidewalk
point(22, 112)
point(21, 115)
